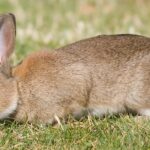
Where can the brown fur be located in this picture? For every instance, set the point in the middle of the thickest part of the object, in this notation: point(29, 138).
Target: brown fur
point(107, 73)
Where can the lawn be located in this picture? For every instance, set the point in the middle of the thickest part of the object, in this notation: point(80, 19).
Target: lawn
point(54, 23)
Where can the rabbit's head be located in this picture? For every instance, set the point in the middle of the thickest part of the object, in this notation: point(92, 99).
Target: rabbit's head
point(7, 83)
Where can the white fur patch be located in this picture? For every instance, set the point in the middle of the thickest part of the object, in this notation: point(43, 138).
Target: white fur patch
point(9, 110)
point(99, 111)
point(144, 112)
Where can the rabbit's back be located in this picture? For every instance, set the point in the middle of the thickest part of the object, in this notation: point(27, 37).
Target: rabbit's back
point(114, 50)
point(109, 47)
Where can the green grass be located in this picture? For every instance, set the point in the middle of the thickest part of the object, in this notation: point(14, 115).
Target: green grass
point(108, 133)
point(54, 23)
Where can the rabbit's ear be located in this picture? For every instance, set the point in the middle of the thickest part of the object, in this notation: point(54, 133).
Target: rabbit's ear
point(7, 36)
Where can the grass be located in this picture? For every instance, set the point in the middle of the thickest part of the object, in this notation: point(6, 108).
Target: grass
point(108, 133)
point(53, 23)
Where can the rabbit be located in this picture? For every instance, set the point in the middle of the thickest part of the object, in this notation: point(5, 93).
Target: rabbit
point(106, 74)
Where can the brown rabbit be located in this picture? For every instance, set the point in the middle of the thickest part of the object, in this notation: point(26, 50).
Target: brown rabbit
point(97, 76)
